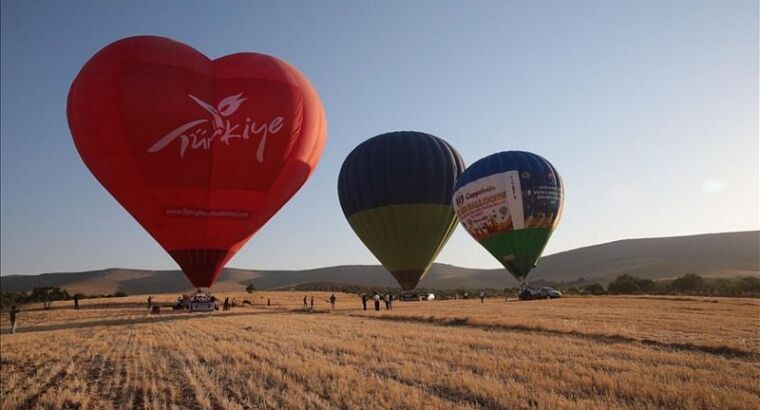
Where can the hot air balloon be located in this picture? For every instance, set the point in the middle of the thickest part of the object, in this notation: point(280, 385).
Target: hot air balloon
point(202, 153)
point(395, 190)
point(510, 203)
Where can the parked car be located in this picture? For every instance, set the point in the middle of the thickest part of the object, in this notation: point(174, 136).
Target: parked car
point(549, 293)
point(545, 292)
point(429, 296)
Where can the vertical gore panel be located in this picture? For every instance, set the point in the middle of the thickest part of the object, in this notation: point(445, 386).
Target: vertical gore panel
point(518, 250)
point(201, 266)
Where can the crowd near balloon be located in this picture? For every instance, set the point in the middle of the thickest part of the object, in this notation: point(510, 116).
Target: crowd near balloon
point(202, 153)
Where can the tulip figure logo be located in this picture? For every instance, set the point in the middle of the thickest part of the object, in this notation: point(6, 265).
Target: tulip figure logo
point(197, 135)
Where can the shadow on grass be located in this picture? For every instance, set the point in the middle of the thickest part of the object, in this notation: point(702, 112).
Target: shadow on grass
point(724, 351)
point(171, 317)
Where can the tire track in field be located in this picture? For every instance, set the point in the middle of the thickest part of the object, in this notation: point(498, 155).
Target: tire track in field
point(181, 364)
point(115, 391)
point(270, 358)
point(58, 374)
point(722, 351)
point(276, 358)
point(492, 400)
point(456, 397)
point(440, 392)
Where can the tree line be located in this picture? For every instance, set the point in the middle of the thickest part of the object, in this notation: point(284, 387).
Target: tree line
point(625, 284)
point(688, 284)
point(46, 295)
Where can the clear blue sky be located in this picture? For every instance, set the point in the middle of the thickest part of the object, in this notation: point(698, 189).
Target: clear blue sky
point(649, 110)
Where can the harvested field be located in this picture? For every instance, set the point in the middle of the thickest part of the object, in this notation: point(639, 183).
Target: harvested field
point(595, 352)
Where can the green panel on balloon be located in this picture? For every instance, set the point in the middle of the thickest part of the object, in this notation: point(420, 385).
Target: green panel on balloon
point(405, 238)
point(518, 250)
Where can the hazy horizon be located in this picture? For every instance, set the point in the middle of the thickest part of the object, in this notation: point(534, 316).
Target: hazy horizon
point(376, 263)
point(648, 110)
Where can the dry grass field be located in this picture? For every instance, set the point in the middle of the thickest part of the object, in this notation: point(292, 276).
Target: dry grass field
point(600, 352)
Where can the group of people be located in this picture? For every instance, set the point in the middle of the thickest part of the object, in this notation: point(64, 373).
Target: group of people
point(308, 303)
point(466, 295)
point(183, 302)
point(387, 298)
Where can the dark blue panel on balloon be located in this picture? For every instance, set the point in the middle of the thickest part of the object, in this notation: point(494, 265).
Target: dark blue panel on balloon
point(539, 171)
point(404, 167)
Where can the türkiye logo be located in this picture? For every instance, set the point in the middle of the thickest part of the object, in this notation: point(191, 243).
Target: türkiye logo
point(200, 134)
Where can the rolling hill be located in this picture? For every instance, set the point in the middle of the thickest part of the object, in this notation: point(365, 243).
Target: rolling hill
point(722, 254)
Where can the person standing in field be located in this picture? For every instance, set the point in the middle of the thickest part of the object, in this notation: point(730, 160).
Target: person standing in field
point(332, 301)
point(150, 302)
point(386, 299)
point(305, 305)
point(76, 302)
point(390, 301)
point(364, 301)
point(14, 311)
point(482, 296)
point(312, 302)
point(377, 301)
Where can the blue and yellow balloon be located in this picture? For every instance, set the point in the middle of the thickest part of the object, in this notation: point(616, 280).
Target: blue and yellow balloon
point(395, 190)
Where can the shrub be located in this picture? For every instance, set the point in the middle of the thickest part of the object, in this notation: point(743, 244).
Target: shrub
point(630, 285)
point(689, 282)
point(47, 295)
point(594, 289)
point(749, 284)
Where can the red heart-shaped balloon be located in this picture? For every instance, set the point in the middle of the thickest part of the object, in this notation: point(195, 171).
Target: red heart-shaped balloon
point(201, 152)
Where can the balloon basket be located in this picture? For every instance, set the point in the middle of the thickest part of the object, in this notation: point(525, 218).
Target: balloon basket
point(202, 301)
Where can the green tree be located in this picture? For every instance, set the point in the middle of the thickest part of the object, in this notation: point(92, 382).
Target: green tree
point(47, 295)
point(594, 289)
point(725, 287)
point(624, 285)
point(250, 288)
point(647, 285)
point(689, 282)
point(10, 299)
point(749, 284)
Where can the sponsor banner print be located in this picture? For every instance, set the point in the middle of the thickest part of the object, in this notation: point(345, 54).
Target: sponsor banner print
point(507, 201)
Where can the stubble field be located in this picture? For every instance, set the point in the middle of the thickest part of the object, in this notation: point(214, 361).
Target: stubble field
point(595, 352)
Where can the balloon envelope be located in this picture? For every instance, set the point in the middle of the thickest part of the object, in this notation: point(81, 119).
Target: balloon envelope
point(510, 203)
point(395, 190)
point(200, 152)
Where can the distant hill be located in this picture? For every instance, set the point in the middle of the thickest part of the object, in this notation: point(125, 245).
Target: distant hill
point(723, 254)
